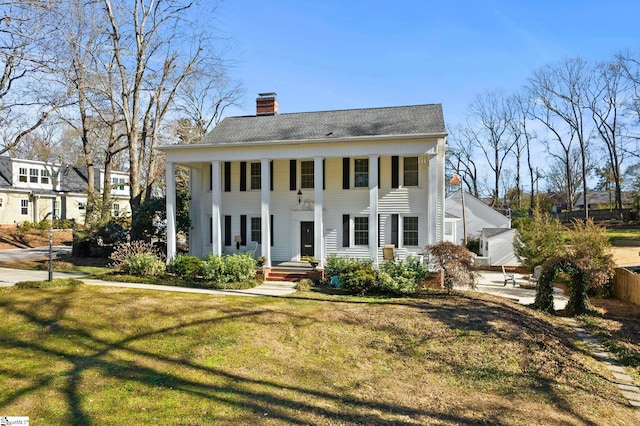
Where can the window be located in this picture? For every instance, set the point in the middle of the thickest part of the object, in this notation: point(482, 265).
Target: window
point(116, 209)
point(22, 174)
point(361, 175)
point(56, 209)
point(117, 183)
point(306, 174)
point(33, 175)
point(410, 231)
point(411, 171)
point(24, 207)
point(256, 179)
point(256, 229)
point(1, 202)
point(81, 205)
point(44, 176)
point(361, 231)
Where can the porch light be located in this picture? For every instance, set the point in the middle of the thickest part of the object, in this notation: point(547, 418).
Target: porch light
point(238, 240)
point(299, 196)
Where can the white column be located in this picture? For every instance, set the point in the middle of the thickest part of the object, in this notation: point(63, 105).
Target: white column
point(373, 208)
point(318, 222)
point(265, 192)
point(171, 210)
point(216, 200)
point(435, 197)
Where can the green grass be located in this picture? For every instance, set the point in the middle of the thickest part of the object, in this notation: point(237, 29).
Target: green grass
point(620, 234)
point(97, 355)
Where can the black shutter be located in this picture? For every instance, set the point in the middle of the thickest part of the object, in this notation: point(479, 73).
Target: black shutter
point(394, 229)
point(271, 230)
point(292, 175)
point(227, 230)
point(379, 181)
point(243, 229)
point(345, 173)
point(210, 177)
point(211, 230)
point(271, 174)
point(243, 176)
point(324, 174)
point(227, 176)
point(345, 230)
point(379, 231)
point(395, 172)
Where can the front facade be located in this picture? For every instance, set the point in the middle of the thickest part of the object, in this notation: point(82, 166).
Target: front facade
point(314, 184)
point(36, 190)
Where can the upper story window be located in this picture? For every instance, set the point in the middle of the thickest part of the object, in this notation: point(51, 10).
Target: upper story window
point(410, 171)
point(33, 175)
point(44, 176)
point(361, 174)
point(256, 178)
point(306, 174)
point(118, 183)
point(22, 174)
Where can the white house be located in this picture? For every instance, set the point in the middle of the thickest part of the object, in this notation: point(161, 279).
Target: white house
point(35, 190)
point(313, 184)
point(496, 246)
point(477, 216)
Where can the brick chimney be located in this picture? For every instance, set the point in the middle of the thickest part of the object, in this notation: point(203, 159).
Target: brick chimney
point(266, 104)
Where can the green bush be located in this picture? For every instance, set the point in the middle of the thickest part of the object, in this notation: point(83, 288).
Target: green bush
point(143, 264)
point(226, 269)
point(304, 284)
point(402, 277)
point(590, 249)
point(358, 276)
point(538, 238)
point(185, 266)
point(335, 265)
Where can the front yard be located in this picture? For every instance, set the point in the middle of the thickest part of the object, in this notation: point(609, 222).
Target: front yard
point(93, 355)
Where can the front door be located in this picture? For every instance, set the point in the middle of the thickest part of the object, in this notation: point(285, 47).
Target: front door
point(306, 239)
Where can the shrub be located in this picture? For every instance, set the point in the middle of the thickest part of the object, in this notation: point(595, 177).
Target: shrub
point(402, 277)
point(335, 265)
point(304, 284)
point(590, 250)
point(25, 226)
point(358, 276)
point(143, 264)
point(473, 245)
point(123, 251)
point(59, 265)
point(228, 269)
point(185, 266)
point(456, 262)
point(538, 238)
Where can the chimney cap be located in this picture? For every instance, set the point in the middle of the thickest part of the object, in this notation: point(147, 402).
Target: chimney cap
point(267, 95)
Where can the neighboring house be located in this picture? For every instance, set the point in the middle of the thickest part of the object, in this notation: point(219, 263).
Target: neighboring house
point(477, 216)
point(602, 199)
point(496, 246)
point(34, 190)
point(314, 184)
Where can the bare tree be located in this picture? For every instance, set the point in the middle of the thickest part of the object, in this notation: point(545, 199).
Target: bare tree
point(494, 113)
point(25, 57)
point(606, 99)
point(523, 138)
point(561, 90)
point(460, 158)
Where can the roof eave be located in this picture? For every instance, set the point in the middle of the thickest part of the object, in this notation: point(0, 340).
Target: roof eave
point(303, 141)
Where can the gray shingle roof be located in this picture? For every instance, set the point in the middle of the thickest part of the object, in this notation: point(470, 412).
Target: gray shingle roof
point(5, 172)
point(492, 232)
point(390, 121)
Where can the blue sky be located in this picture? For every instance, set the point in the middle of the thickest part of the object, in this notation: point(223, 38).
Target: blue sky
point(341, 54)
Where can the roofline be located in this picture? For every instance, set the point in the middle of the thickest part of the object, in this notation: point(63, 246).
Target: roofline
point(298, 141)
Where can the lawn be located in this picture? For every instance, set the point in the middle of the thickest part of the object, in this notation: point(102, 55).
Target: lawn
point(93, 355)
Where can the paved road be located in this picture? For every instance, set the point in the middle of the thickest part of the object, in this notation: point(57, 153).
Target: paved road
point(14, 255)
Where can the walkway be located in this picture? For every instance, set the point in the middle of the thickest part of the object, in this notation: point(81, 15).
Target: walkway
point(9, 277)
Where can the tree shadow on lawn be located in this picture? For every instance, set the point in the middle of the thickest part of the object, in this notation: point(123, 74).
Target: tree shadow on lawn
point(112, 357)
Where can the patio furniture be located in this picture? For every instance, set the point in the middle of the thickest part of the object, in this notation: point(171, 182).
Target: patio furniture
point(508, 277)
point(252, 247)
point(389, 252)
point(533, 278)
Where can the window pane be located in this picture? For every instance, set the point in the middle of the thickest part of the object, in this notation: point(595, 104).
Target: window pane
point(255, 176)
point(306, 174)
point(410, 234)
point(361, 175)
point(361, 231)
point(411, 171)
point(22, 174)
point(33, 175)
point(44, 176)
point(24, 207)
point(256, 229)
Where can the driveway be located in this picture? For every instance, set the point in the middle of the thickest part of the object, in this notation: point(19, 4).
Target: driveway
point(493, 283)
point(15, 255)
